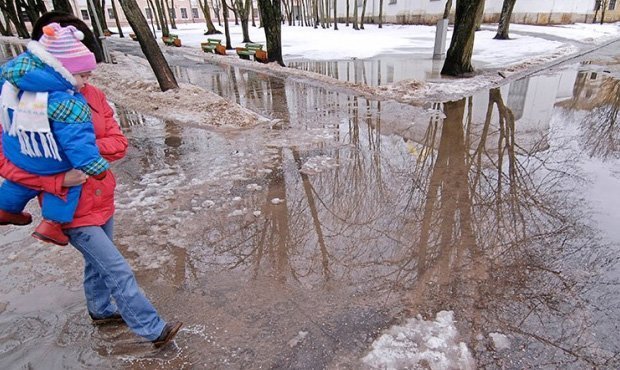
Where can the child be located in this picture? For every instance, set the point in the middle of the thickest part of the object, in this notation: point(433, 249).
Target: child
point(47, 126)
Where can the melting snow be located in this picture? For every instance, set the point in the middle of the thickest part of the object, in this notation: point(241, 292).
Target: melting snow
point(428, 344)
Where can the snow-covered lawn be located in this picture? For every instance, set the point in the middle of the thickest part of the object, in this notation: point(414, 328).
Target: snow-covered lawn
point(326, 44)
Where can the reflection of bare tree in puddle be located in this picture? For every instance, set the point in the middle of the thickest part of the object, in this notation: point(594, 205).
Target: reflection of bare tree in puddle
point(274, 238)
point(495, 242)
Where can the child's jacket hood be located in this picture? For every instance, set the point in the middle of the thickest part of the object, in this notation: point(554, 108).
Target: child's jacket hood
point(37, 70)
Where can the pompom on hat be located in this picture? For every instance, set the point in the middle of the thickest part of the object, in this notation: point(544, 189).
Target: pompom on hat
point(64, 43)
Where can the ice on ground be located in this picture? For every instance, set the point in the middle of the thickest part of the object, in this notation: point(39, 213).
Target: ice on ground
point(500, 341)
point(428, 344)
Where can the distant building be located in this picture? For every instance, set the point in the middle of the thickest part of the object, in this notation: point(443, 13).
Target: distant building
point(525, 11)
point(396, 11)
point(184, 11)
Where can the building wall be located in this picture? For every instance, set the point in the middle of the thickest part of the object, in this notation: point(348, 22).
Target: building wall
point(525, 11)
point(414, 11)
point(182, 9)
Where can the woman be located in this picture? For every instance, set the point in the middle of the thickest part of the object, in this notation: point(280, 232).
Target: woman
point(107, 274)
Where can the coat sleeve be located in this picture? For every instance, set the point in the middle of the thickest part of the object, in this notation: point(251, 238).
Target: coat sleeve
point(49, 184)
point(113, 144)
point(73, 129)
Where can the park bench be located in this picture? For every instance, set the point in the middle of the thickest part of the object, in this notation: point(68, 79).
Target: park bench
point(210, 45)
point(171, 40)
point(213, 46)
point(252, 50)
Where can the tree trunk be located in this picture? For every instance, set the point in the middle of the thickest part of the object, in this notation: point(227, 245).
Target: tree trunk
point(8, 8)
point(92, 13)
point(30, 8)
point(5, 30)
point(363, 15)
point(458, 58)
point(272, 22)
point(163, 20)
point(504, 20)
point(217, 6)
point(479, 16)
point(347, 17)
point(336, 16)
point(226, 28)
point(171, 14)
point(604, 4)
point(354, 22)
point(116, 19)
point(154, 15)
point(204, 6)
point(99, 7)
point(243, 7)
point(63, 6)
point(446, 11)
point(380, 13)
point(252, 13)
point(149, 45)
point(315, 12)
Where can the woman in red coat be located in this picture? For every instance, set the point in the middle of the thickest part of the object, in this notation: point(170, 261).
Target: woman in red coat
point(106, 273)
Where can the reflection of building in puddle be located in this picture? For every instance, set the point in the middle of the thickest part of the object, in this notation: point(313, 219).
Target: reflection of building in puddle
point(530, 101)
point(375, 71)
point(596, 103)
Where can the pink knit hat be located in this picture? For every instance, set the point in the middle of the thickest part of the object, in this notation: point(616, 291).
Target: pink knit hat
point(65, 45)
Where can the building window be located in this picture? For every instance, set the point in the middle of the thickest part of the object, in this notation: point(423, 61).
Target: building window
point(149, 13)
point(172, 12)
point(392, 2)
point(110, 13)
point(85, 15)
point(195, 13)
point(612, 4)
point(183, 13)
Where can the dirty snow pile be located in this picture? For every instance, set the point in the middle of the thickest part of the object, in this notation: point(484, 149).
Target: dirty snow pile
point(421, 344)
point(131, 83)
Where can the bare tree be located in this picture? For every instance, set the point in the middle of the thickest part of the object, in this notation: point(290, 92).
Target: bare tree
point(204, 6)
point(354, 21)
point(243, 8)
point(363, 14)
point(217, 6)
point(458, 58)
point(336, 15)
point(172, 14)
point(62, 5)
point(149, 45)
point(504, 20)
point(116, 19)
point(10, 11)
point(271, 15)
point(226, 28)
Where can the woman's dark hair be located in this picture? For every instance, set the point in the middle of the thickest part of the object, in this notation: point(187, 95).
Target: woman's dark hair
point(66, 19)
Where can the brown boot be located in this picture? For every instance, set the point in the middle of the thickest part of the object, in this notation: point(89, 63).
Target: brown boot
point(170, 330)
point(20, 219)
point(50, 232)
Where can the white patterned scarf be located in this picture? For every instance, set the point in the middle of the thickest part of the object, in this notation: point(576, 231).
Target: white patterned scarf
point(29, 120)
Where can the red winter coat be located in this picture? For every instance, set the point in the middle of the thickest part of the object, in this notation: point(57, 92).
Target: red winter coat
point(96, 205)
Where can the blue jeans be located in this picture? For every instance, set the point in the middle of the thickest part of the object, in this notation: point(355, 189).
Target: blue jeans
point(107, 275)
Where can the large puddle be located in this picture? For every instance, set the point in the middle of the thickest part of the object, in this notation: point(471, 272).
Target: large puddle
point(295, 246)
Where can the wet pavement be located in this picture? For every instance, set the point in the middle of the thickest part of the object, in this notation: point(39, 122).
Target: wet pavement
point(295, 245)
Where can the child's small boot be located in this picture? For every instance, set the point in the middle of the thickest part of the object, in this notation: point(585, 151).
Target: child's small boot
point(50, 232)
point(21, 219)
